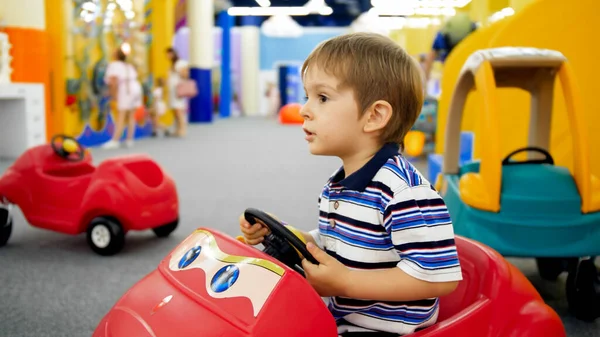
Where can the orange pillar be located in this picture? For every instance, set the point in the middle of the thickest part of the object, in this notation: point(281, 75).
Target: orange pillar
point(55, 17)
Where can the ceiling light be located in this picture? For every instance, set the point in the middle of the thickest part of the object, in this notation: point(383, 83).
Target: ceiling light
point(390, 5)
point(263, 3)
point(326, 10)
point(444, 3)
point(395, 11)
point(501, 14)
point(291, 11)
point(267, 11)
point(508, 11)
point(448, 11)
point(90, 6)
point(315, 5)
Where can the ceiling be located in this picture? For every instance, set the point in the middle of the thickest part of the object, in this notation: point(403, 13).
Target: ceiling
point(344, 11)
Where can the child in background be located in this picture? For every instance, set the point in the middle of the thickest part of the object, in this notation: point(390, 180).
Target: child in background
point(272, 93)
point(159, 107)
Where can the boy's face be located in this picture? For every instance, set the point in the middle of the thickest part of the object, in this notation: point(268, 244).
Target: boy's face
point(330, 115)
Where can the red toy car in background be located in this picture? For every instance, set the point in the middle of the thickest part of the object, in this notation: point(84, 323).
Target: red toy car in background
point(57, 187)
point(213, 285)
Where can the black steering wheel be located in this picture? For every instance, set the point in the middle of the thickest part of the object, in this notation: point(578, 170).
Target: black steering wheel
point(67, 147)
point(280, 243)
point(547, 160)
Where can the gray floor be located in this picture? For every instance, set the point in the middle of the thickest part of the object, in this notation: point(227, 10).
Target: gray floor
point(53, 285)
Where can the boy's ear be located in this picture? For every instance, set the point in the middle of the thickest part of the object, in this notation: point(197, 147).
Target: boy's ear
point(377, 116)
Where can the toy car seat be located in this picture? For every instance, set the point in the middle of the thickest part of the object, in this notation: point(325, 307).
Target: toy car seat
point(493, 299)
point(139, 166)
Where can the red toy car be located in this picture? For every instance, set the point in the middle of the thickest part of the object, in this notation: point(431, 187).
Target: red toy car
point(58, 188)
point(213, 285)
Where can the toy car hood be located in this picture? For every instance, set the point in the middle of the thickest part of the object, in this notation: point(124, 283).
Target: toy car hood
point(225, 275)
point(211, 283)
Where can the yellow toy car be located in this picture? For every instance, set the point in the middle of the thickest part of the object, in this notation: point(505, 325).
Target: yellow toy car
point(529, 208)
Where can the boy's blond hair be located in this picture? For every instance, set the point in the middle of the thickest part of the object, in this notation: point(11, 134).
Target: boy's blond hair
point(376, 68)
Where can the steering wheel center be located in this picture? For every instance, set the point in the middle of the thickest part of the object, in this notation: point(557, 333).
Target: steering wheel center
point(67, 147)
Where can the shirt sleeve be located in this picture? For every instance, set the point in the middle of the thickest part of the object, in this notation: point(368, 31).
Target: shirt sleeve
point(439, 43)
point(421, 229)
point(317, 237)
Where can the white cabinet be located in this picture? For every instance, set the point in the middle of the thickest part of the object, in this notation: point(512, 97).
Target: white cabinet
point(22, 118)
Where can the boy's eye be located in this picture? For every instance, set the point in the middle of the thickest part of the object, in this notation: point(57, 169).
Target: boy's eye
point(322, 98)
point(305, 98)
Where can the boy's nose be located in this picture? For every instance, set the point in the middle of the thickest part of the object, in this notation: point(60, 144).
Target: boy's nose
point(304, 112)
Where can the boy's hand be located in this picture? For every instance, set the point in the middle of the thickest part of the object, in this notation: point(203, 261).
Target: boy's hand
point(329, 277)
point(253, 234)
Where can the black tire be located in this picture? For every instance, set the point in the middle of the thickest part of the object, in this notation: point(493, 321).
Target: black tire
point(165, 230)
point(5, 231)
point(550, 267)
point(105, 236)
point(583, 290)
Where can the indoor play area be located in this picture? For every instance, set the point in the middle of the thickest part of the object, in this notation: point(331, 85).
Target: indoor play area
point(138, 135)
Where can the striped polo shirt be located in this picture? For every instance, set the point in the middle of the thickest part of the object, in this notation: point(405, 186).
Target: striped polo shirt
point(387, 215)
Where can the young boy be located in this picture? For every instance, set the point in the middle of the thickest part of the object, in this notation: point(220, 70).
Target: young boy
point(385, 240)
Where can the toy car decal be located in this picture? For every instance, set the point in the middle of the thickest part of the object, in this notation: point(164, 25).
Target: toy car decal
point(224, 278)
point(189, 257)
point(162, 303)
point(227, 275)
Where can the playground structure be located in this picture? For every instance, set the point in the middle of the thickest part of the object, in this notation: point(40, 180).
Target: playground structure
point(510, 205)
point(566, 29)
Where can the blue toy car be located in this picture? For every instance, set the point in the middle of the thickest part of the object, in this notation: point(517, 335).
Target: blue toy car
point(528, 208)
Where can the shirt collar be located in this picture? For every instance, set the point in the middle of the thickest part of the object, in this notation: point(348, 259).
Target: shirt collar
point(359, 180)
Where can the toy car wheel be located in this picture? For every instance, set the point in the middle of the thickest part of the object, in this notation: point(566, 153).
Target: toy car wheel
point(583, 290)
point(550, 267)
point(165, 230)
point(105, 236)
point(5, 226)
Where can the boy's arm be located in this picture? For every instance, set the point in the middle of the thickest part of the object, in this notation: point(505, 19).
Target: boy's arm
point(421, 231)
point(393, 284)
